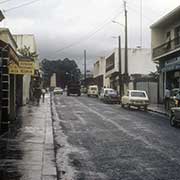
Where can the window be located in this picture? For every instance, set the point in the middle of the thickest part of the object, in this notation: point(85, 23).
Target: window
point(177, 35)
point(168, 40)
point(138, 94)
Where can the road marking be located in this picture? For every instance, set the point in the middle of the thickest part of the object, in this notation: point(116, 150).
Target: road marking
point(135, 137)
point(77, 114)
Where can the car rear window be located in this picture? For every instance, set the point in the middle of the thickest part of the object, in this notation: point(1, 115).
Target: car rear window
point(138, 94)
point(93, 88)
point(110, 92)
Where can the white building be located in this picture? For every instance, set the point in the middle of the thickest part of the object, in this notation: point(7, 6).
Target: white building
point(27, 40)
point(139, 62)
point(99, 72)
point(165, 43)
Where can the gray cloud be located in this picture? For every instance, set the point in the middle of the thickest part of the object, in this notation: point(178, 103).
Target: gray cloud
point(58, 23)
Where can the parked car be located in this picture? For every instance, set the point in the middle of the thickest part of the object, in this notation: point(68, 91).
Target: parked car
point(135, 98)
point(175, 116)
point(57, 90)
point(92, 91)
point(109, 95)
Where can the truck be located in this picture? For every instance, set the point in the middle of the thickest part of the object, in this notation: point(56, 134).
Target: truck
point(74, 87)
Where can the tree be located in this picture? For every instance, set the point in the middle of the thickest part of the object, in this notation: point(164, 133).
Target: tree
point(65, 70)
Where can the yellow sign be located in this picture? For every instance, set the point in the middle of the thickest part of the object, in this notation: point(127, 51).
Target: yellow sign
point(24, 67)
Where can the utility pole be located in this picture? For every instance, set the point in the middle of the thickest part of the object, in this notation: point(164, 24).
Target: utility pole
point(141, 23)
point(120, 72)
point(85, 68)
point(126, 44)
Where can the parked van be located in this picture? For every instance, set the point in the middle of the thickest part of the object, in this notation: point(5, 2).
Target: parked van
point(92, 91)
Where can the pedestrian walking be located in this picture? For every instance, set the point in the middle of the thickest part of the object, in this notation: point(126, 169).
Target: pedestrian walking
point(37, 94)
point(43, 93)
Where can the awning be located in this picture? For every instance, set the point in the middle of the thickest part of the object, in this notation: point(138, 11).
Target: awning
point(11, 52)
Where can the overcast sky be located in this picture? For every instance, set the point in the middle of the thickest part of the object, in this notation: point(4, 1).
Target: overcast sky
point(71, 26)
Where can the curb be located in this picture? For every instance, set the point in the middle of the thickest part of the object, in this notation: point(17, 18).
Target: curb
point(49, 170)
point(52, 118)
point(159, 112)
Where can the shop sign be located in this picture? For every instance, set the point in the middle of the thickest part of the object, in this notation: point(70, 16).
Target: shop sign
point(23, 67)
point(171, 67)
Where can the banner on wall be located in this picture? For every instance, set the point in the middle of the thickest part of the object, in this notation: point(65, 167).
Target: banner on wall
point(23, 68)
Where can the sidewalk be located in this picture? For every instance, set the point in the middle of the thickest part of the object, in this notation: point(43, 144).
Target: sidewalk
point(158, 108)
point(28, 153)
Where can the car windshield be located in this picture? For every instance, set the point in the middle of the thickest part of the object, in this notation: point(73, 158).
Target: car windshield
point(111, 92)
point(57, 88)
point(138, 94)
point(174, 92)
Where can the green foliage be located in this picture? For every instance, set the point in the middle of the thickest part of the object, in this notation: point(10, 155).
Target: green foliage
point(27, 53)
point(65, 70)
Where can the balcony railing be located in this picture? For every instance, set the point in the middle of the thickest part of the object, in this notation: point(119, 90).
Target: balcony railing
point(166, 47)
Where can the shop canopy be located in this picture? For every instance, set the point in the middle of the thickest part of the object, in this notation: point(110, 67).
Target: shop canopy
point(11, 53)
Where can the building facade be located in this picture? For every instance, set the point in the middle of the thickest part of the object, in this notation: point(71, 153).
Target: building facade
point(139, 62)
point(99, 72)
point(27, 41)
point(8, 81)
point(165, 43)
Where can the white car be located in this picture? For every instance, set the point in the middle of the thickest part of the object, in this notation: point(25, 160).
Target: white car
point(92, 91)
point(135, 98)
point(109, 95)
point(57, 90)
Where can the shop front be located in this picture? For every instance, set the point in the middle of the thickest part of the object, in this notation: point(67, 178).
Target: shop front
point(8, 85)
point(171, 72)
point(169, 75)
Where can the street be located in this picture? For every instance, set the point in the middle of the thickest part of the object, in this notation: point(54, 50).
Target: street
point(103, 141)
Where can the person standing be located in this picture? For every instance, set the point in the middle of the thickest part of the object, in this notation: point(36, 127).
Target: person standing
point(167, 99)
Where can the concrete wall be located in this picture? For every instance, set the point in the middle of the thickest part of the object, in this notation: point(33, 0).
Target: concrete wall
point(139, 62)
point(151, 88)
point(99, 67)
point(26, 88)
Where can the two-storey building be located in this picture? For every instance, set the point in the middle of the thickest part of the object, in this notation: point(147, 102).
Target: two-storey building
point(139, 62)
point(99, 72)
point(165, 43)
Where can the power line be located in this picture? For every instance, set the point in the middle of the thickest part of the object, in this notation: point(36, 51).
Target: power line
point(143, 16)
point(5, 1)
point(22, 5)
point(85, 38)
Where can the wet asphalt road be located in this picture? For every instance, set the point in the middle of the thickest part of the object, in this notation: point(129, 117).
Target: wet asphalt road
point(97, 141)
